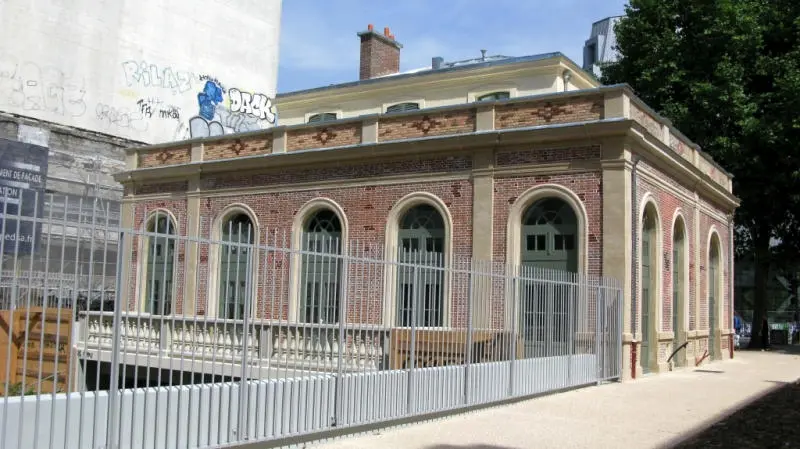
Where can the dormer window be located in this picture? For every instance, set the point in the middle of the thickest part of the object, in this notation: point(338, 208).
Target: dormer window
point(323, 117)
point(402, 107)
point(495, 96)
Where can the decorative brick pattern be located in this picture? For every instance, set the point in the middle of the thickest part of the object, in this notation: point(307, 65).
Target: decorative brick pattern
point(138, 277)
point(647, 121)
point(238, 147)
point(426, 125)
point(344, 172)
point(577, 109)
point(324, 136)
point(165, 156)
point(164, 187)
point(548, 155)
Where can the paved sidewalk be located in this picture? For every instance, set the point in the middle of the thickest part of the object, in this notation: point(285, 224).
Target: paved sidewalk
point(609, 416)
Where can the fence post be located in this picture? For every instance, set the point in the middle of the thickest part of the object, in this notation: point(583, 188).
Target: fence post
point(113, 390)
point(618, 334)
point(242, 421)
point(515, 281)
point(339, 385)
point(413, 350)
point(599, 307)
point(468, 347)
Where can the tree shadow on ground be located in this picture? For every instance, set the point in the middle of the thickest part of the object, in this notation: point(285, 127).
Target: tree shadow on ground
point(768, 421)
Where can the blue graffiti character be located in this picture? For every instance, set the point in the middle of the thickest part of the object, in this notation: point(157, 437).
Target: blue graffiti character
point(208, 100)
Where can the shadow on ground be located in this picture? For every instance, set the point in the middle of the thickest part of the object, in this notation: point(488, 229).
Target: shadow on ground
point(769, 421)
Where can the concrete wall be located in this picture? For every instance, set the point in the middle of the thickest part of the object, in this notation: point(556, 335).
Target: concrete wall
point(140, 69)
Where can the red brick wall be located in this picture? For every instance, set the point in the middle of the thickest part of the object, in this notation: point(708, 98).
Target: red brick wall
point(668, 202)
point(139, 243)
point(366, 210)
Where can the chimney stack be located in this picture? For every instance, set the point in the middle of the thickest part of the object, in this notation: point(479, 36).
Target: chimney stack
point(380, 53)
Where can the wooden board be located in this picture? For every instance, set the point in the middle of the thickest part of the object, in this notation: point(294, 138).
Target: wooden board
point(445, 347)
point(35, 346)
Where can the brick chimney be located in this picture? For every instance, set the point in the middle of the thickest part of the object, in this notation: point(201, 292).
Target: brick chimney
point(380, 53)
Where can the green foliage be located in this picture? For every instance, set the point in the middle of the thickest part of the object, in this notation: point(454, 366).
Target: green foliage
point(727, 73)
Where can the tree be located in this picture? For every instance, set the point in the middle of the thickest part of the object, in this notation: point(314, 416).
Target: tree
point(727, 73)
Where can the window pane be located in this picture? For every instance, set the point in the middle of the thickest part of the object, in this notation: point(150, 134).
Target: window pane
point(559, 242)
point(569, 242)
point(402, 107)
point(541, 242)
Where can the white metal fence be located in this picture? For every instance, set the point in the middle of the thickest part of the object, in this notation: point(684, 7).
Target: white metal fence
point(248, 335)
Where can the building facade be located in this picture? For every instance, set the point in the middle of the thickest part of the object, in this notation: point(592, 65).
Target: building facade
point(118, 75)
point(600, 48)
point(520, 162)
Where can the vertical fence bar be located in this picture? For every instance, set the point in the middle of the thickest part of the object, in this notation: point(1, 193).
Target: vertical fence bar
point(512, 322)
point(599, 357)
point(113, 407)
point(339, 384)
point(413, 349)
point(468, 346)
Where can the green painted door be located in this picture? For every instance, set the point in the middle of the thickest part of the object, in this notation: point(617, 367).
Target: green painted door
point(321, 268)
point(549, 241)
point(677, 294)
point(160, 267)
point(645, 299)
point(713, 270)
point(235, 266)
point(420, 275)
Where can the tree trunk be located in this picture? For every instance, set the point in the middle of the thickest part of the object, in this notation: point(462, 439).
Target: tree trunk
point(760, 303)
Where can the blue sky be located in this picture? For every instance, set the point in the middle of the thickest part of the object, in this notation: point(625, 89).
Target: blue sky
point(319, 44)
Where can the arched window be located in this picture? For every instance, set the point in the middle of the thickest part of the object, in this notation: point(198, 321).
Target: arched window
point(236, 261)
point(160, 265)
point(714, 282)
point(549, 241)
point(649, 285)
point(678, 281)
point(420, 274)
point(495, 96)
point(321, 268)
point(402, 107)
point(322, 117)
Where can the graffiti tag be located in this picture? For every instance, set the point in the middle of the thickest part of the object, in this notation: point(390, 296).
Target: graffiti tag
point(26, 85)
point(150, 75)
point(257, 105)
point(121, 118)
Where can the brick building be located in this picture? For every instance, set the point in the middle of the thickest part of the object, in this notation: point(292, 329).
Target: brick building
point(521, 161)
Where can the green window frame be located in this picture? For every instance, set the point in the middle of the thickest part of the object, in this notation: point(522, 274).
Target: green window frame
point(420, 295)
point(321, 268)
point(160, 268)
point(236, 262)
point(549, 241)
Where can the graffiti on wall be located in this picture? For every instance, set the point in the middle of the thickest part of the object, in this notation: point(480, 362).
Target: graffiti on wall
point(31, 87)
point(141, 73)
point(243, 112)
point(151, 100)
